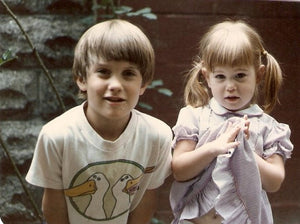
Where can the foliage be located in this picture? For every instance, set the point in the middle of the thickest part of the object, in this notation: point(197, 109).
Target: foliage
point(156, 85)
point(111, 10)
point(156, 221)
point(6, 57)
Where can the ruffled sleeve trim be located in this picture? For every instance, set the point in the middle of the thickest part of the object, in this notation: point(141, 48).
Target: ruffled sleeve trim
point(184, 133)
point(278, 142)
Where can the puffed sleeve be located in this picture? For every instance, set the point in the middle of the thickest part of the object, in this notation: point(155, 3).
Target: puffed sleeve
point(277, 140)
point(187, 125)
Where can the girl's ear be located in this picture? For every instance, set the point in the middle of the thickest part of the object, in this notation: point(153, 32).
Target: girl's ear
point(81, 83)
point(260, 73)
point(205, 73)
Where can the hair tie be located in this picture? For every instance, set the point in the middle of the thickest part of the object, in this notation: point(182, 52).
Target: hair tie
point(264, 53)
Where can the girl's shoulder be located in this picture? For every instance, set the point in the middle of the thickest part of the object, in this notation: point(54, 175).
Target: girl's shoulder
point(195, 111)
point(266, 121)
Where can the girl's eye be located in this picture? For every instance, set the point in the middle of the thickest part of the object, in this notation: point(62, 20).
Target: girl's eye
point(240, 75)
point(219, 76)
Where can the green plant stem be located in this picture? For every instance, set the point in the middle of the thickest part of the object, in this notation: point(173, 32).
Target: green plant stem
point(37, 211)
point(37, 55)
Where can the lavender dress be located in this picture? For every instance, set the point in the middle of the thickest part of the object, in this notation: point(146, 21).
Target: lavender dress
point(231, 183)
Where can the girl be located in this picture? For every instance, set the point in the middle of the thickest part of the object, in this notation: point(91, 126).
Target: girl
point(228, 152)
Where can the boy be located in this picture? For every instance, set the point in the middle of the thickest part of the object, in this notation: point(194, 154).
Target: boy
point(102, 161)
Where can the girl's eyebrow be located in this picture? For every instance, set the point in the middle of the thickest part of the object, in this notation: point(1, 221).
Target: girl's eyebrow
point(217, 71)
point(241, 69)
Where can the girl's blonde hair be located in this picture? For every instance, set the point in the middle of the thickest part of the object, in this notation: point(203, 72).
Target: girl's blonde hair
point(116, 40)
point(232, 43)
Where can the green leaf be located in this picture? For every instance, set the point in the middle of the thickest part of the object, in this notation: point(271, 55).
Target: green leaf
point(155, 83)
point(156, 221)
point(145, 106)
point(88, 20)
point(150, 16)
point(130, 14)
point(143, 11)
point(165, 91)
point(122, 10)
point(6, 57)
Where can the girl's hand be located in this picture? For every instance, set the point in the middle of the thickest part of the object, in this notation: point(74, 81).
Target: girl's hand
point(246, 127)
point(226, 141)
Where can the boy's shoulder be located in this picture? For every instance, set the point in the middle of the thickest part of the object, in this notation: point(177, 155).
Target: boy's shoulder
point(64, 122)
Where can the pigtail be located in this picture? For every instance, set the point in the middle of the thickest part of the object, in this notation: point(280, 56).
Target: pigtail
point(196, 93)
point(272, 82)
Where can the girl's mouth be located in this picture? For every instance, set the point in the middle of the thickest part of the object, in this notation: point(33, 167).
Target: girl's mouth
point(231, 98)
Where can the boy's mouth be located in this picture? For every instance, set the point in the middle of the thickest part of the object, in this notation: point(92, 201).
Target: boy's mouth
point(114, 99)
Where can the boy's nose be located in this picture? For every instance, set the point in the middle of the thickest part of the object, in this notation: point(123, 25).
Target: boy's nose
point(114, 84)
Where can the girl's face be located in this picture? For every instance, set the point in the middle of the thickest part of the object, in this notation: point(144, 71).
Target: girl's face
point(233, 87)
point(113, 89)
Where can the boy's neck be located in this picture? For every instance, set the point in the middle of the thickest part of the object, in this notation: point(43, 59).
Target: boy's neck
point(108, 129)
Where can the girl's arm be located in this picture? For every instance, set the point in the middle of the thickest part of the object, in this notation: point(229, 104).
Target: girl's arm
point(188, 162)
point(145, 210)
point(54, 207)
point(272, 172)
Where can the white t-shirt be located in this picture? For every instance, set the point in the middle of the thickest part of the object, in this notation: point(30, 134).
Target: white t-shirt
point(103, 180)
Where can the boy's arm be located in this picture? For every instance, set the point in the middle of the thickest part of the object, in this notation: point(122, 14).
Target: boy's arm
point(54, 206)
point(145, 210)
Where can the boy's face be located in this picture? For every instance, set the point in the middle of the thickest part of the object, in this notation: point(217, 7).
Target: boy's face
point(113, 89)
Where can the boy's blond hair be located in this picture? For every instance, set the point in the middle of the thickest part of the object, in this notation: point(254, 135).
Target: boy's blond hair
point(116, 40)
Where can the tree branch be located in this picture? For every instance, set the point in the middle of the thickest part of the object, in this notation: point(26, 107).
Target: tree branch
point(37, 211)
point(37, 55)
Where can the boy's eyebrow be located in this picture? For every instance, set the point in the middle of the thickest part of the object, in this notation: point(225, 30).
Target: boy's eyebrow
point(135, 67)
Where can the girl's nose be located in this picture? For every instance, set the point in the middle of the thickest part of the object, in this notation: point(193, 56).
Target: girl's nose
point(230, 86)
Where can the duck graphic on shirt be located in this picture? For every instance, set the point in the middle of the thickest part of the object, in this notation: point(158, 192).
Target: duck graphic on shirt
point(104, 191)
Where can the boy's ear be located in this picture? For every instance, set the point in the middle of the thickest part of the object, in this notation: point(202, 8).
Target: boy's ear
point(81, 83)
point(260, 73)
point(143, 88)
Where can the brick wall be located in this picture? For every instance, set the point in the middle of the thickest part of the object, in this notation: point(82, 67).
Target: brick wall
point(175, 35)
point(27, 102)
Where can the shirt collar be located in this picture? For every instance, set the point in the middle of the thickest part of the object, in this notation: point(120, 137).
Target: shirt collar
point(253, 111)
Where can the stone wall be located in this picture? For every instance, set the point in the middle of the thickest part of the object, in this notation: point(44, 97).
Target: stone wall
point(26, 99)
point(54, 26)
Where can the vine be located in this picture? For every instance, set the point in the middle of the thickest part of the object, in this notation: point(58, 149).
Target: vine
point(109, 10)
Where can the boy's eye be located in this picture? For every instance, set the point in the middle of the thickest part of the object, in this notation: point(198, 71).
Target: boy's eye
point(103, 71)
point(129, 73)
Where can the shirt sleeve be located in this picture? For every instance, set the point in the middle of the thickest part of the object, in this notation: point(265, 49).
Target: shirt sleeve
point(46, 167)
point(186, 127)
point(277, 141)
point(164, 158)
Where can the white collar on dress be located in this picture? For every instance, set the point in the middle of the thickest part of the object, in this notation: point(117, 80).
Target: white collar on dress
point(252, 111)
